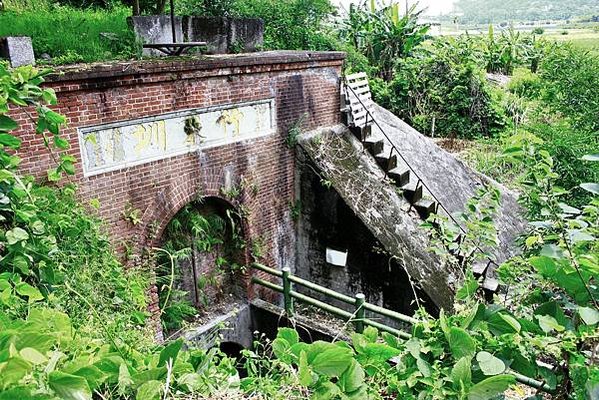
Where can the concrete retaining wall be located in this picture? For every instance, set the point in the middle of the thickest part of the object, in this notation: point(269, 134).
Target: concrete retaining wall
point(223, 35)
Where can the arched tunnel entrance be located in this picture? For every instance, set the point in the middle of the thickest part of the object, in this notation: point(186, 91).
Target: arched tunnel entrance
point(201, 268)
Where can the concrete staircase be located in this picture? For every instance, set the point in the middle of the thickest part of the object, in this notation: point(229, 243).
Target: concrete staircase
point(356, 113)
point(357, 110)
point(398, 172)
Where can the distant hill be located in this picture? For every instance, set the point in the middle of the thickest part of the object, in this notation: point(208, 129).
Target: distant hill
point(486, 11)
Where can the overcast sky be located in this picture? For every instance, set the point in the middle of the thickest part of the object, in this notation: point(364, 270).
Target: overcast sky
point(435, 7)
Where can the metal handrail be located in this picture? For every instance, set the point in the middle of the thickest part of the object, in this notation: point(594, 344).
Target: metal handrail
point(358, 316)
point(284, 274)
point(412, 170)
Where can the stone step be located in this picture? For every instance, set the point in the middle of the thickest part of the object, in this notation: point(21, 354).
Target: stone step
point(425, 207)
point(386, 162)
point(401, 176)
point(491, 285)
point(361, 132)
point(412, 192)
point(479, 268)
point(374, 146)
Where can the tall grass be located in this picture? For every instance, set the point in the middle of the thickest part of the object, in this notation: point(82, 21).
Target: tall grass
point(70, 35)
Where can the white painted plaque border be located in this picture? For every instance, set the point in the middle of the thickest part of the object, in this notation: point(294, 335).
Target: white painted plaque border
point(83, 131)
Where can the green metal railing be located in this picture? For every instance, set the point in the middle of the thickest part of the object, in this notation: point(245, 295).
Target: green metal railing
point(358, 317)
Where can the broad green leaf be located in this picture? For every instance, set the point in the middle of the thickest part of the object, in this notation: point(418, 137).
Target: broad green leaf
point(151, 390)
point(378, 353)
point(489, 364)
point(513, 322)
point(544, 265)
point(170, 352)
point(6, 175)
point(54, 117)
point(7, 123)
point(332, 362)
point(10, 141)
point(424, 367)
point(281, 349)
point(92, 375)
point(468, 289)
point(461, 343)
point(443, 324)
point(490, 387)
point(20, 393)
point(33, 356)
point(590, 316)
point(569, 209)
point(69, 387)
point(591, 187)
point(352, 378)
point(13, 370)
point(124, 381)
point(461, 372)
point(360, 394)
point(61, 143)
point(371, 333)
point(326, 391)
point(288, 334)
point(38, 227)
point(359, 342)
point(54, 175)
point(552, 251)
point(297, 348)
point(548, 323)
point(153, 374)
point(33, 293)
point(578, 235)
point(51, 320)
point(304, 372)
point(16, 235)
point(68, 167)
point(553, 309)
point(20, 263)
point(49, 96)
point(413, 346)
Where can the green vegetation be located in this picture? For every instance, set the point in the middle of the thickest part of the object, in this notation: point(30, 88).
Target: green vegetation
point(69, 35)
point(495, 11)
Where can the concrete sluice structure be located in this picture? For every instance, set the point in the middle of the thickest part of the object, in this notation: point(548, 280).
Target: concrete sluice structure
point(153, 136)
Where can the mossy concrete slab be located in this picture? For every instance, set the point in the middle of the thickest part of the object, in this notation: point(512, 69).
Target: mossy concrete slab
point(359, 181)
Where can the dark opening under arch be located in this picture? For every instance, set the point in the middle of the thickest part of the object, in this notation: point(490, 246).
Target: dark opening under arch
point(203, 261)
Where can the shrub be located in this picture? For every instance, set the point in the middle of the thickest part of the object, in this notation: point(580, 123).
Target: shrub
point(567, 146)
point(571, 78)
point(445, 85)
point(291, 24)
point(538, 31)
point(525, 84)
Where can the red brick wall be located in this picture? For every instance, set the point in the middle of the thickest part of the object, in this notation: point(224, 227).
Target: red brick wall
point(300, 82)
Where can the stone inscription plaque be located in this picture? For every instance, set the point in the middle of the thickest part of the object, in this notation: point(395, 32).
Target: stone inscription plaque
point(114, 146)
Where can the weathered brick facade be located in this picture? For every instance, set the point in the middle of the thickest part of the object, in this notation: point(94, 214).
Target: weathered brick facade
point(300, 82)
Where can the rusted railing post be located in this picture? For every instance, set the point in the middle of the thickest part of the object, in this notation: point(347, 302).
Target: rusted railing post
point(359, 319)
point(287, 299)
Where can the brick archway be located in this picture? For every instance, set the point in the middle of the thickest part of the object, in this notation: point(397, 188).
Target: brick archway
point(102, 99)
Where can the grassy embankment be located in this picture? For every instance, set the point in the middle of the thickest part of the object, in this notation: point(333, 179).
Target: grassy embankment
point(71, 35)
